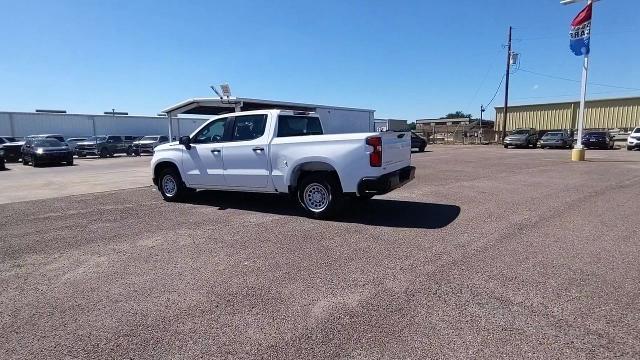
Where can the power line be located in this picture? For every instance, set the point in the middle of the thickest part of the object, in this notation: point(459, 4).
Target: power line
point(497, 90)
point(577, 81)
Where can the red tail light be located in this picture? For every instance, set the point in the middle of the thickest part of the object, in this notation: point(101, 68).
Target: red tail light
point(375, 157)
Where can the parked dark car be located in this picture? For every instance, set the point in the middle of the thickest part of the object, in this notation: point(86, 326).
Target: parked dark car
point(146, 144)
point(7, 139)
point(521, 138)
point(12, 152)
point(556, 139)
point(418, 142)
point(598, 139)
point(2, 167)
point(103, 146)
point(41, 151)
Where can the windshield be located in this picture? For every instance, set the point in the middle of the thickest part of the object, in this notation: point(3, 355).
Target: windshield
point(47, 143)
point(149, 138)
point(636, 130)
point(552, 135)
point(97, 138)
point(599, 133)
point(520, 132)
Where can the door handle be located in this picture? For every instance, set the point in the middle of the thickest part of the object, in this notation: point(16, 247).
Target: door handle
point(258, 148)
point(215, 151)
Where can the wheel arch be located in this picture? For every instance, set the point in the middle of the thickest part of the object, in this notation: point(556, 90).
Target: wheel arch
point(162, 165)
point(307, 167)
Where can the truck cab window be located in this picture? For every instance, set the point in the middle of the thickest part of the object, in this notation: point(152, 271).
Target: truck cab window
point(292, 125)
point(249, 127)
point(211, 133)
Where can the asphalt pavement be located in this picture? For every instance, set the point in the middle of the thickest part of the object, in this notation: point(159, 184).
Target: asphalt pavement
point(489, 253)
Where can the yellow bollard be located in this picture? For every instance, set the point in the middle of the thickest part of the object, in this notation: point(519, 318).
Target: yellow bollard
point(577, 154)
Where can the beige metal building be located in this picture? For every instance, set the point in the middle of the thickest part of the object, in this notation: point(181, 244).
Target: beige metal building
point(619, 113)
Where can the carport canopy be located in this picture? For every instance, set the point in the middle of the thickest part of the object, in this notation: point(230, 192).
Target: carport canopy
point(220, 106)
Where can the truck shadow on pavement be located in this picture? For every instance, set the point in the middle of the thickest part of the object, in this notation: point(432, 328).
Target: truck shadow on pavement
point(378, 212)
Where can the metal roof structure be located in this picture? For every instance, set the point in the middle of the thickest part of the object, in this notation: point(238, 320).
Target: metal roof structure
point(219, 106)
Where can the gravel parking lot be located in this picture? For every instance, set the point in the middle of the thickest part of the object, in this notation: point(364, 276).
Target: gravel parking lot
point(489, 253)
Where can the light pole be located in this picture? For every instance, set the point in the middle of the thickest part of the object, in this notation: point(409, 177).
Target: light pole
point(578, 154)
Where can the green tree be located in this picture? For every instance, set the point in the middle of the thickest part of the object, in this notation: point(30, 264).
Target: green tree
point(412, 126)
point(456, 115)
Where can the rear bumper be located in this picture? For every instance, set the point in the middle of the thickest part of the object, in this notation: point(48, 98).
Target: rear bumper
point(387, 182)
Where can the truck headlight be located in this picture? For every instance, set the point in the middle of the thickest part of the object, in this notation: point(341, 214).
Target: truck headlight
point(1, 152)
point(39, 150)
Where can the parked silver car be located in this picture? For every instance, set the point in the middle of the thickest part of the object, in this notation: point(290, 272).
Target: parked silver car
point(556, 139)
point(147, 143)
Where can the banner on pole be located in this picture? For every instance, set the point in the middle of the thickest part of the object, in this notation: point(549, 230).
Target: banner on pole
point(580, 34)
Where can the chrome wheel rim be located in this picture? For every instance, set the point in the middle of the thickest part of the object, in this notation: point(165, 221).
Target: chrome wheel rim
point(169, 186)
point(316, 197)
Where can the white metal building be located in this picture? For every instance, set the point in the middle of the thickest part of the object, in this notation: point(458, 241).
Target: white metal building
point(22, 124)
point(335, 120)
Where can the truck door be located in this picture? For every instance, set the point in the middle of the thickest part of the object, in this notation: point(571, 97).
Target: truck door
point(202, 164)
point(246, 163)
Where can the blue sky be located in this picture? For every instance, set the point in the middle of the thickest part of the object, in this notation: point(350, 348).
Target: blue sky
point(406, 59)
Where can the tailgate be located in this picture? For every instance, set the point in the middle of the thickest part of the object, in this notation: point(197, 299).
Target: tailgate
point(396, 148)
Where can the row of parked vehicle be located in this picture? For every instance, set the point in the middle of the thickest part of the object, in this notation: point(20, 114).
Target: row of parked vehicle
point(54, 148)
point(593, 139)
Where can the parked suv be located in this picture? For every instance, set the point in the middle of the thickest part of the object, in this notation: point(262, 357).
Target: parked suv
point(103, 146)
point(147, 143)
point(522, 138)
point(633, 141)
point(73, 141)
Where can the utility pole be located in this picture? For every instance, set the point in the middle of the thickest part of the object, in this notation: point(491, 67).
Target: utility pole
point(481, 111)
point(506, 89)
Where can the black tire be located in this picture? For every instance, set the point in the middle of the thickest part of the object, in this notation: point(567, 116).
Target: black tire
point(34, 162)
point(534, 146)
point(25, 162)
point(421, 148)
point(506, 146)
point(323, 195)
point(129, 151)
point(168, 176)
point(82, 155)
point(69, 162)
point(103, 153)
point(629, 148)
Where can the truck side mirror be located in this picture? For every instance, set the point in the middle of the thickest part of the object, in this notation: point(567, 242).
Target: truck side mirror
point(186, 141)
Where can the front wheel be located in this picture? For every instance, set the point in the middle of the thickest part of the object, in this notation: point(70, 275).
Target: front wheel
point(505, 146)
point(171, 186)
point(103, 153)
point(629, 148)
point(319, 195)
point(421, 148)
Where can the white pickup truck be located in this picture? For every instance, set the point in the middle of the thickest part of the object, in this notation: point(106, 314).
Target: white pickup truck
point(283, 151)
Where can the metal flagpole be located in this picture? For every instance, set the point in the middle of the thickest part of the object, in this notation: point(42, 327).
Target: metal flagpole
point(583, 96)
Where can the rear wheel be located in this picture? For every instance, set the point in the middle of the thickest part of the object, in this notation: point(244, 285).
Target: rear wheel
point(320, 195)
point(25, 162)
point(69, 162)
point(171, 186)
point(505, 146)
point(421, 148)
point(129, 151)
point(34, 162)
